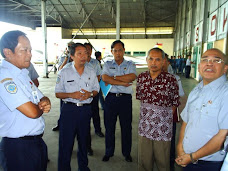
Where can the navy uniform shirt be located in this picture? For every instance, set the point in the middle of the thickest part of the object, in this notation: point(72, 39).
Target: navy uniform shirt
point(15, 90)
point(111, 68)
point(70, 81)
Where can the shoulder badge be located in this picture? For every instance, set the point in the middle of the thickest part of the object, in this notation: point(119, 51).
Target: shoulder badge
point(11, 87)
point(5, 79)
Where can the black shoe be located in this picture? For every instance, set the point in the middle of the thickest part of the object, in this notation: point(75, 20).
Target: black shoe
point(90, 151)
point(100, 134)
point(56, 128)
point(128, 158)
point(106, 158)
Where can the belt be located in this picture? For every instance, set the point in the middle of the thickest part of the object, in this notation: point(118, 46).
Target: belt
point(205, 161)
point(119, 94)
point(78, 104)
point(29, 137)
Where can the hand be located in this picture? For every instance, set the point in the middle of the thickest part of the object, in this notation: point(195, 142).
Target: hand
point(85, 95)
point(76, 95)
point(45, 104)
point(126, 84)
point(183, 160)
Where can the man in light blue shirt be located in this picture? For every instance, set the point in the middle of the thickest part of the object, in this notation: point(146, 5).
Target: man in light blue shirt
point(21, 108)
point(95, 109)
point(205, 117)
point(76, 85)
point(120, 74)
point(33, 74)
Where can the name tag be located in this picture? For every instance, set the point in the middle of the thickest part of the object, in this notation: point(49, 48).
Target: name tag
point(70, 81)
point(35, 96)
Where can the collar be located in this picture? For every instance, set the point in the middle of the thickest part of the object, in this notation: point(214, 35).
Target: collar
point(15, 70)
point(114, 62)
point(162, 72)
point(87, 67)
point(214, 85)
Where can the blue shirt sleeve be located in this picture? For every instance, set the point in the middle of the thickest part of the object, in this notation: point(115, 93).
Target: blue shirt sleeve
point(132, 68)
point(32, 72)
point(105, 69)
point(59, 87)
point(223, 113)
point(12, 95)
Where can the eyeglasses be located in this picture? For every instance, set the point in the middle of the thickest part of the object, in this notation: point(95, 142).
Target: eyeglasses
point(117, 50)
point(215, 60)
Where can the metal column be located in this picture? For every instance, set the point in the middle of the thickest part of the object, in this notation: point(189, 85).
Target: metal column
point(44, 28)
point(118, 20)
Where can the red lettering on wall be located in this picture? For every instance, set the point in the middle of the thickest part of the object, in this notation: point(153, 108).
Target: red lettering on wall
point(213, 22)
point(197, 34)
point(224, 19)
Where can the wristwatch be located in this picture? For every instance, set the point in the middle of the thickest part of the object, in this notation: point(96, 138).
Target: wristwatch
point(192, 160)
point(91, 94)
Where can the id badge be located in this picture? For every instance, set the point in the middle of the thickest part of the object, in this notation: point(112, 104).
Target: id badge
point(35, 96)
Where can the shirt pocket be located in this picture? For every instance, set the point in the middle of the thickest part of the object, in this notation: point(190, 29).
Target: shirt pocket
point(209, 116)
point(71, 85)
point(211, 110)
point(113, 71)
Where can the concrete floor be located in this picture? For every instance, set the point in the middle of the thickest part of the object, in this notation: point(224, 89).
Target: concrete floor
point(116, 163)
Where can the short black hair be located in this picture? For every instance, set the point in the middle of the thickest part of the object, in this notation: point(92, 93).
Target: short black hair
point(88, 44)
point(10, 40)
point(97, 54)
point(157, 50)
point(74, 46)
point(116, 42)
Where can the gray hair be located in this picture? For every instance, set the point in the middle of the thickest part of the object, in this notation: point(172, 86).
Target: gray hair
point(157, 50)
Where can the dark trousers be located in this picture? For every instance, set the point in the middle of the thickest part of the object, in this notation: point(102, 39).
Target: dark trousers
point(204, 166)
point(187, 72)
point(96, 119)
point(101, 99)
point(95, 114)
point(23, 154)
point(74, 121)
point(173, 149)
point(61, 104)
point(115, 106)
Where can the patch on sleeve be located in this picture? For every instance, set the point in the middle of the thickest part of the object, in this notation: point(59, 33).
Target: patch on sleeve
point(11, 87)
point(6, 79)
point(58, 79)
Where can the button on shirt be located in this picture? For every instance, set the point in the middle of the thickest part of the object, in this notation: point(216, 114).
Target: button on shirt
point(70, 81)
point(206, 112)
point(95, 65)
point(15, 90)
point(111, 68)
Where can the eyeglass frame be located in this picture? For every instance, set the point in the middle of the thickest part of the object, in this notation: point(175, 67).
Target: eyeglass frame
point(206, 60)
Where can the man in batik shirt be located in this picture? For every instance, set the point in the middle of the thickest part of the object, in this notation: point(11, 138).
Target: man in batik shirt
point(158, 93)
